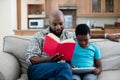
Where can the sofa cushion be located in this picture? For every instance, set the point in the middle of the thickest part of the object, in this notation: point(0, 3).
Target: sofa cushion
point(110, 53)
point(9, 66)
point(1, 76)
point(110, 75)
point(17, 46)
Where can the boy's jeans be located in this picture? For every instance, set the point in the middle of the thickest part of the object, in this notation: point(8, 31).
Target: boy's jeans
point(50, 71)
point(85, 77)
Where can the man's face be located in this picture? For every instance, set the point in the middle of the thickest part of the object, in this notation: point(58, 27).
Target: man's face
point(83, 40)
point(57, 24)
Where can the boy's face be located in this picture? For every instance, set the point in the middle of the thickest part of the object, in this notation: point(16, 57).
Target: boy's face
point(83, 40)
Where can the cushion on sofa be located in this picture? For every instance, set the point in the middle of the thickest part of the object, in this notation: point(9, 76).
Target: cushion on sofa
point(17, 46)
point(110, 75)
point(110, 53)
point(9, 66)
point(1, 76)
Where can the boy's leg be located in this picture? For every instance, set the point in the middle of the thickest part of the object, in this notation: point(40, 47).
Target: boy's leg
point(76, 77)
point(90, 77)
point(58, 71)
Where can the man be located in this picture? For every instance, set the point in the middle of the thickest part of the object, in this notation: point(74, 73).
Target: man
point(44, 67)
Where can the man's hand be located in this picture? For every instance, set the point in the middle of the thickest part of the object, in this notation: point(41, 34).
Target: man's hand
point(55, 58)
point(114, 37)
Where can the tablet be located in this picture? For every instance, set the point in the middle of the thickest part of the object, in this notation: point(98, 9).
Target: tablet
point(82, 70)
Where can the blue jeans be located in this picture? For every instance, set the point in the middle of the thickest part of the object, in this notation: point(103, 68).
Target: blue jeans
point(50, 71)
point(88, 76)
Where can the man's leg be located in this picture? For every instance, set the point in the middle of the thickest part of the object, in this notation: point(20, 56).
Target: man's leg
point(64, 72)
point(90, 77)
point(51, 70)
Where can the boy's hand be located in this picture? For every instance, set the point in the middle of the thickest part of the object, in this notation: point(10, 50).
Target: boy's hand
point(96, 71)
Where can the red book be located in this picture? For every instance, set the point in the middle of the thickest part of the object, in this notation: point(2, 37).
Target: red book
point(53, 45)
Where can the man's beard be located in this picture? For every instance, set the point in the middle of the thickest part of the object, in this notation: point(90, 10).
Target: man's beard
point(57, 33)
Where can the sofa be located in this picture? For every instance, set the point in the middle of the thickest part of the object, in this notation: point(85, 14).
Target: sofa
point(14, 67)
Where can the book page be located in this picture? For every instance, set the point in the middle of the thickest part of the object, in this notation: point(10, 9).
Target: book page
point(54, 37)
point(68, 41)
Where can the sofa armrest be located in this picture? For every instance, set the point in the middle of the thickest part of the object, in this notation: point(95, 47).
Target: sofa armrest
point(9, 66)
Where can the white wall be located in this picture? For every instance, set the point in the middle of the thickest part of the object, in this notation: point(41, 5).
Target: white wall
point(24, 14)
point(7, 18)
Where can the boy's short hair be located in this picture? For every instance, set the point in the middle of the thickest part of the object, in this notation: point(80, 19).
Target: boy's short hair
point(82, 29)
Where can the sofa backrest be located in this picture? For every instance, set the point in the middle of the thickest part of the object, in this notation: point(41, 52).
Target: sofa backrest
point(110, 51)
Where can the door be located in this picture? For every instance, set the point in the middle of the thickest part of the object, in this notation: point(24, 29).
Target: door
point(70, 18)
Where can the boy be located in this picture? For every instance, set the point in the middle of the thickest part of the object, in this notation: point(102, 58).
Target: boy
point(86, 54)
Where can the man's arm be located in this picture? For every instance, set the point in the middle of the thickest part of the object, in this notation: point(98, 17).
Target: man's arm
point(97, 35)
point(112, 37)
point(37, 59)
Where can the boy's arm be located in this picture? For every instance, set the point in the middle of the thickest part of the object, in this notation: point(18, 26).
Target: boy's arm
point(98, 66)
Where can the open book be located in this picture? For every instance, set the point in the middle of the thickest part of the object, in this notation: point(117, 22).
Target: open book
point(53, 45)
point(82, 70)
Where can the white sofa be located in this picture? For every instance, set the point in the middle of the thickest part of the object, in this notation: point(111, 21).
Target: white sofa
point(14, 67)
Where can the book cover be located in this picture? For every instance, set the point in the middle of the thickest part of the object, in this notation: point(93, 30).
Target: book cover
point(82, 70)
point(53, 45)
